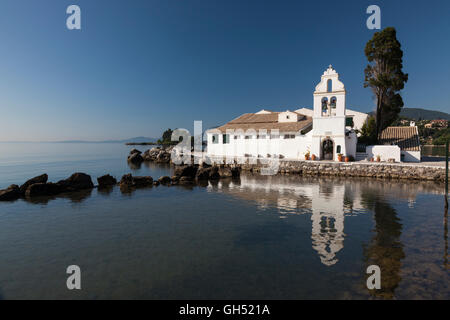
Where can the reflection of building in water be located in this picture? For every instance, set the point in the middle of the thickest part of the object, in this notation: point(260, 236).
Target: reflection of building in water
point(328, 200)
point(325, 201)
point(328, 221)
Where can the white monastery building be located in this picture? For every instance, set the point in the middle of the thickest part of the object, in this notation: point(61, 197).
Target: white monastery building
point(324, 132)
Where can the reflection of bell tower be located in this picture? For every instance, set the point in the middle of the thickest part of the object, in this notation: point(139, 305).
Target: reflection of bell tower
point(329, 114)
point(328, 224)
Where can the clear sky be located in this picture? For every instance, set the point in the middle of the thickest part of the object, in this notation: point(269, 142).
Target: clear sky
point(139, 67)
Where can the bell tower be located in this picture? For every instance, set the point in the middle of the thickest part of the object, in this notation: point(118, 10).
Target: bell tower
point(329, 96)
point(328, 138)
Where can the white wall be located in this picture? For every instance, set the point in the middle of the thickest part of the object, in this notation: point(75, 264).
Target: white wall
point(350, 144)
point(289, 148)
point(359, 118)
point(411, 156)
point(385, 152)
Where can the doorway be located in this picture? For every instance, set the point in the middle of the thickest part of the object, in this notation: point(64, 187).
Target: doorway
point(327, 149)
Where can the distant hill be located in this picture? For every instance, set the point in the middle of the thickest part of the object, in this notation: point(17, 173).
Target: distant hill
point(130, 140)
point(423, 114)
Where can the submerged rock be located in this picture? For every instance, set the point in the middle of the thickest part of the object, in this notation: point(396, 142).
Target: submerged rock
point(106, 181)
point(39, 179)
point(11, 193)
point(185, 180)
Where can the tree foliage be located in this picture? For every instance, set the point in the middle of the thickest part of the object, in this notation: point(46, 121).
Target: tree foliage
point(384, 76)
point(368, 132)
point(166, 137)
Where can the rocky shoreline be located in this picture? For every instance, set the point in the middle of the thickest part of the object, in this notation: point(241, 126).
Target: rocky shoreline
point(199, 174)
point(356, 169)
point(183, 175)
point(382, 170)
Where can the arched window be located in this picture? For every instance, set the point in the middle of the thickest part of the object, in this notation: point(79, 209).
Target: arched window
point(324, 106)
point(333, 102)
point(329, 85)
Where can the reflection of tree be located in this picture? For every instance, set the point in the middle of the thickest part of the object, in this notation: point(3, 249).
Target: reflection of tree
point(385, 249)
point(446, 238)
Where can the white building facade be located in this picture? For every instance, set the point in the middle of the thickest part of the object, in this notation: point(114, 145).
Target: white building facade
point(291, 134)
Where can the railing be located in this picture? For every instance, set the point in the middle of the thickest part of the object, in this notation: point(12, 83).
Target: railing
point(433, 151)
point(361, 147)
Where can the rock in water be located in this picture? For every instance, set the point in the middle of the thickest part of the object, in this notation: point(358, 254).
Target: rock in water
point(11, 193)
point(77, 181)
point(186, 171)
point(106, 180)
point(235, 172)
point(128, 181)
point(165, 180)
point(214, 173)
point(185, 180)
point(43, 189)
point(225, 172)
point(39, 179)
point(135, 158)
point(139, 182)
point(133, 151)
point(203, 173)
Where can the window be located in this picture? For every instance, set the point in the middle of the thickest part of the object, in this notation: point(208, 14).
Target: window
point(338, 149)
point(329, 85)
point(248, 137)
point(274, 136)
point(262, 136)
point(287, 117)
point(289, 136)
point(349, 122)
point(333, 101)
point(237, 137)
point(324, 106)
point(215, 139)
point(226, 138)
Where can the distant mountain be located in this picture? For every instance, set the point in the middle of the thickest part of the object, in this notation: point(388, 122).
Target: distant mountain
point(130, 140)
point(423, 114)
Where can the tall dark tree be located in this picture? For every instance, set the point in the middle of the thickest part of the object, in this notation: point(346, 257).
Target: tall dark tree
point(167, 135)
point(384, 76)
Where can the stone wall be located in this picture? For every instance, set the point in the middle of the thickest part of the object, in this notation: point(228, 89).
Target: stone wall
point(356, 169)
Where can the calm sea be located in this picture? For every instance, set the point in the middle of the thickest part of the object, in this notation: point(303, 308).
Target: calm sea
point(253, 238)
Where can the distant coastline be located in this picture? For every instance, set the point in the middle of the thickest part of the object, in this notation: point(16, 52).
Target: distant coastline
point(141, 143)
point(137, 140)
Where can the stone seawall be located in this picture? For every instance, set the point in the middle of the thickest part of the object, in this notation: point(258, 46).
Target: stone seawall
point(356, 169)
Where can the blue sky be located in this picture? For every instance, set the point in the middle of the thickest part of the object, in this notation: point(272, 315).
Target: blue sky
point(139, 67)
